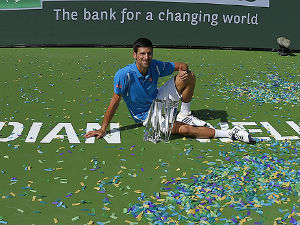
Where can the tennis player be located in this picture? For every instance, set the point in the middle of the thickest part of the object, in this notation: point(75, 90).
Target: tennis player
point(137, 84)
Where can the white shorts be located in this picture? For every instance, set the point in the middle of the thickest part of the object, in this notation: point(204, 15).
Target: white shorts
point(167, 91)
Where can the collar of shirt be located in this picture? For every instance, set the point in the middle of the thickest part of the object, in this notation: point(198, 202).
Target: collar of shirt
point(139, 75)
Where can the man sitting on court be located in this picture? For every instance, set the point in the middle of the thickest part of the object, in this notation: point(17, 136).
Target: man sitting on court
point(137, 84)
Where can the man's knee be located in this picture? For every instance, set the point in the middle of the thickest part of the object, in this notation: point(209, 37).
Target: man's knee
point(192, 77)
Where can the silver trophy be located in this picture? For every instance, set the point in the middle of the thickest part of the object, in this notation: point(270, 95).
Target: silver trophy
point(160, 120)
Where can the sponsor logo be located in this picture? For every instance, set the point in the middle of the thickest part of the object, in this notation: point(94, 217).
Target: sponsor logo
point(114, 136)
point(20, 4)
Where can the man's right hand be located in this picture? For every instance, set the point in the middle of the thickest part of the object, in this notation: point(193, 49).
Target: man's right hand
point(98, 133)
point(113, 105)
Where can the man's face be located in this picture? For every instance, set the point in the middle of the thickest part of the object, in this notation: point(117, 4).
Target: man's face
point(143, 57)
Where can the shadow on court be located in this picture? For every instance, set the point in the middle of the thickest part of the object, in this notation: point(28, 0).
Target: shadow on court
point(129, 127)
point(206, 114)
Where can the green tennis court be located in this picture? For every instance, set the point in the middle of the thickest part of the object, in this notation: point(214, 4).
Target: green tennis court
point(50, 175)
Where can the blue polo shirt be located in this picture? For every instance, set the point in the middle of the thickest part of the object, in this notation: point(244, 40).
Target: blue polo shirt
point(139, 91)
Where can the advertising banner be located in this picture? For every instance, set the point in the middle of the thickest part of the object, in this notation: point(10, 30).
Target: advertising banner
point(37, 4)
point(196, 23)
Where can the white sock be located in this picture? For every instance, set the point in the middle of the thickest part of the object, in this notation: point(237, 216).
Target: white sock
point(185, 108)
point(222, 133)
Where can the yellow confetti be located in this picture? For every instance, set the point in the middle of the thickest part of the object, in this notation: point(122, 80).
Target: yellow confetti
point(291, 215)
point(118, 184)
point(286, 184)
point(164, 180)
point(106, 208)
point(77, 203)
point(139, 217)
point(191, 211)
point(242, 221)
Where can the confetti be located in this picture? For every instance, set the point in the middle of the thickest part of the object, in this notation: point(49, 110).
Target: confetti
point(182, 182)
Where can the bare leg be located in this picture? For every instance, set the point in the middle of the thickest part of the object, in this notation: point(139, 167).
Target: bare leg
point(186, 87)
point(192, 131)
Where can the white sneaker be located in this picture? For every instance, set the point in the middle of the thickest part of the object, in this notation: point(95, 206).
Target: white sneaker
point(192, 120)
point(241, 134)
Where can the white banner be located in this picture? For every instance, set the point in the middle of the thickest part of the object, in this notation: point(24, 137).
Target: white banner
point(255, 3)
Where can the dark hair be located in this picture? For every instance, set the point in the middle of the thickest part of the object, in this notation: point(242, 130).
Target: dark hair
point(141, 42)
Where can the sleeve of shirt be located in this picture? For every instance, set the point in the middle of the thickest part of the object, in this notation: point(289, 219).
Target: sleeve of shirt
point(120, 82)
point(165, 68)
